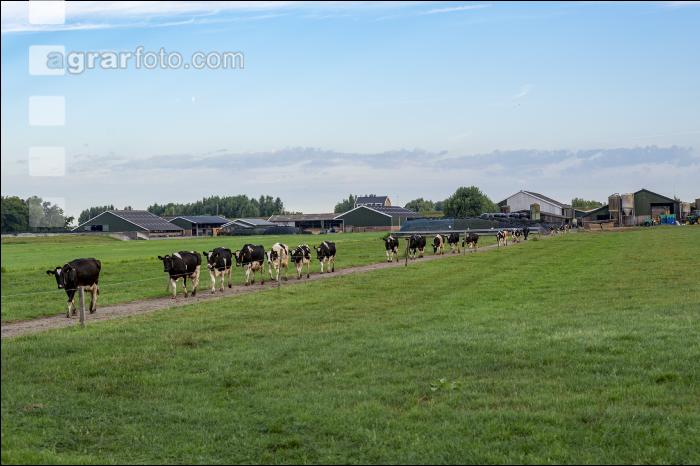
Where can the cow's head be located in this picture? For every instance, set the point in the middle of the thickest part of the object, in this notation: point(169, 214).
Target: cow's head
point(58, 273)
point(167, 262)
point(212, 257)
point(238, 256)
point(272, 255)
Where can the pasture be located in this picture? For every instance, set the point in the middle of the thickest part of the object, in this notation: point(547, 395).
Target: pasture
point(579, 348)
point(131, 270)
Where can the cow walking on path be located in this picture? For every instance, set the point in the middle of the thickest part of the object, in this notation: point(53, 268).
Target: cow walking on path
point(252, 259)
point(278, 258)
point(392, 248)
point(182, 265)
point(326, 255)
point(302, 255)
point(220, 264)
point(78, 273)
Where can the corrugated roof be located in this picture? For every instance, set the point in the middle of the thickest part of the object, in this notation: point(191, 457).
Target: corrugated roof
point(249, 223)
point(199, 219)
point(146, 220)
point(301, 217)
point(548, 199)
point(392, 211)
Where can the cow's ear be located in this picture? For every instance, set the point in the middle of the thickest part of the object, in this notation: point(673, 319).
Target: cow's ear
point(161, 258)
point(50, 272)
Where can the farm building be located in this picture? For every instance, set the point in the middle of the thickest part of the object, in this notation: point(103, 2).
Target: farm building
point(372, 200)
point(138, 224)
point(309, 222)
point(256, 226)
point(376, 218)
point(199, 225)
point(636, 209)
point(550, 210)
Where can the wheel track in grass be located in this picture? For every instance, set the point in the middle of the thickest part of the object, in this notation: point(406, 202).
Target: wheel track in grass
point(116, 311)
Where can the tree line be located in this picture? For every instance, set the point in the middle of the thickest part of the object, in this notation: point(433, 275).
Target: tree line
point(32, 215)
point(226, 206)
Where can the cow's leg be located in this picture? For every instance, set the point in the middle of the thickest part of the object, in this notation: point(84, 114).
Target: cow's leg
point(308, 269)
point(195, 281)
point(212, 278)
point(184, 285)
point(230, 277)
point(93, 300)
point(173, 287)
point(70, 306)
point(321, 262)
point(262, 274)
point(332, 263)
point(247, 275)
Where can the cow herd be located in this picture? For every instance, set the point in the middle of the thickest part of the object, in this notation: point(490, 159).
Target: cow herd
point(184, 265)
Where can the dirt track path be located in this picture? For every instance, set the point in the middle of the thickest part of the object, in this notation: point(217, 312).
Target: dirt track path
point(116, 311)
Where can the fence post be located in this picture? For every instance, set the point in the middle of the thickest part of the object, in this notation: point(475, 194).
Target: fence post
point(81, 293)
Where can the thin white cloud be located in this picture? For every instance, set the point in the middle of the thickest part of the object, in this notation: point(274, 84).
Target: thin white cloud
point(524, 90)
point(116, 14)
point(454, 9)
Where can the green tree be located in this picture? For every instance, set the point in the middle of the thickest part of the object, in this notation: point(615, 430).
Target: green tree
point(15, 215)
point(92, 212)
point(227, 206)
point(579, 203)
point(420, 205)
point(468, 202)
point(345, 204)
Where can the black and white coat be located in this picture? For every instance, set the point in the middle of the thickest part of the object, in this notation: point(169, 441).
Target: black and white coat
point(220, 264)
point(252, 258)
point(181, 266)
point(392, 248)
point(75, 274)
point(301, 255)
point(278, 258)
point(325, 254)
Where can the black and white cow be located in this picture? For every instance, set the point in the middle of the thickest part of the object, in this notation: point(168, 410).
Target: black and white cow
point(517, 234)
point(471, 241)
point(526, 232)
point(220, 264)
point(416, 243)
point(325, 253)
point(302, 255)
point(502, 237)
point(182, 265)
point(392, 248)
point(453, 241)
point(78, 273)
point(278, 258)
point(252, 259)
point(438, 244)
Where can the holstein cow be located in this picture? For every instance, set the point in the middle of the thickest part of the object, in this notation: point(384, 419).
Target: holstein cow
point(182, 265)
point(526, 231)
point(278, 257)
point(77, 273)
point(301, 255)
point(438, 244)
point(470, 241)
point(220, 264)
point(517, 234)
point(502, 237)
point(326, 254)
point(416, 243)
point(252, 259)
point(392, 248)
point(453, 241)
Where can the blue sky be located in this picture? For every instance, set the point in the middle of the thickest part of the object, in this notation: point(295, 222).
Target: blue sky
point(411, 99)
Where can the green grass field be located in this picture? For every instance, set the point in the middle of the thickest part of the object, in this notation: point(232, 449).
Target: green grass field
point(131, 270)
point(581, 348)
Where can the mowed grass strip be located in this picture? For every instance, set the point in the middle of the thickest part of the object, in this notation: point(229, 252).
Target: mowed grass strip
point(131, 270)
point(582, 348)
